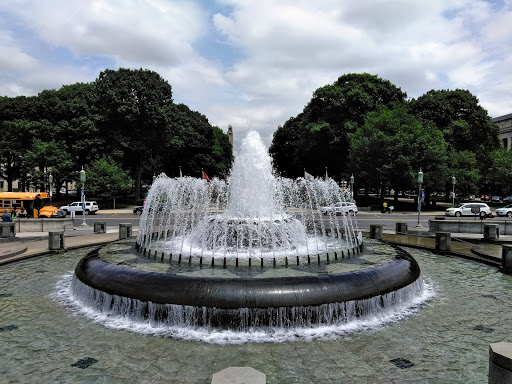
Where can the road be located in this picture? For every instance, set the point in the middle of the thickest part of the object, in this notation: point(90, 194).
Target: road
point(364, 219)
point(112, 219)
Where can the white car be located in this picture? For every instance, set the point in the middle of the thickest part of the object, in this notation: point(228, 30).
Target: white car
point(339, 208)
point(90, 207)
point(469, 209)
point(505, 211)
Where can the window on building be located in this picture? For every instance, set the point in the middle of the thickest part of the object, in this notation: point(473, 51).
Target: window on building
point(505, 143)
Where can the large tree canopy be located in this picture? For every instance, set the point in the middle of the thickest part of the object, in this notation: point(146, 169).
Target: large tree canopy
point(391, 146)
point(363, 124)
point(465, 124)
point(135, 105)
point(467, 129)
point(125, 119)
point(323, 128)
point(109, 179)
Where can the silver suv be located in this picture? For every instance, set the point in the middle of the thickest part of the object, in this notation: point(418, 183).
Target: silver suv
point(90, 207)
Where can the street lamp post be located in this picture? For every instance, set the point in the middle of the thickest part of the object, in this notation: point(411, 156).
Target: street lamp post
point(50, 181)
point(453, 190)
point(420, 181)
point(82, 180)
point(352, 186)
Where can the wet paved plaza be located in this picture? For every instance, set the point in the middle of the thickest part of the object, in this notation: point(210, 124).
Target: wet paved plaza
point(444, 340)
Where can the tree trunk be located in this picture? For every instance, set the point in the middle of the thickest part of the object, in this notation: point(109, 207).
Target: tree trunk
point(138, 176)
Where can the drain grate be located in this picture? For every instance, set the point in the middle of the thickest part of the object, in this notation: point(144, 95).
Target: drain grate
point(84, 363)
point(483, 329)
point(8, 328)
point(402, 363)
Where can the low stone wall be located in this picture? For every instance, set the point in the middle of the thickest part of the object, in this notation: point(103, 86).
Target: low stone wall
point(43, 225)
point(468, 226)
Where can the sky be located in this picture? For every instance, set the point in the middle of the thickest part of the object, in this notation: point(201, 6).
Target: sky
point(254, 64)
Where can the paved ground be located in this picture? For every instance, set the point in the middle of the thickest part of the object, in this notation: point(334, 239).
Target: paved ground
point(470, 246)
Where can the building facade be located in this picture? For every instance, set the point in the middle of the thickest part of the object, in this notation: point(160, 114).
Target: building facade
point(505, 125)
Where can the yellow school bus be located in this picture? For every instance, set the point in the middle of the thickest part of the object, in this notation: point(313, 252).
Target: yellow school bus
point(12, 201)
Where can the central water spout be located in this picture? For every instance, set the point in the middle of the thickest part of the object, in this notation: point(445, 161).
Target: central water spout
point(253, 192)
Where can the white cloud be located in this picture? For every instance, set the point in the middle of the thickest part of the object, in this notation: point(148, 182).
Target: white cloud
point(13, 59)
point(144, 31)
point(256, 63)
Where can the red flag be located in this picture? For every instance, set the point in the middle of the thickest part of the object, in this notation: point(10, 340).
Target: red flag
point(205, 176)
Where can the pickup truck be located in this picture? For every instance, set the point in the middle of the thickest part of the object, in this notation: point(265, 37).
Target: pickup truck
point(90, 207)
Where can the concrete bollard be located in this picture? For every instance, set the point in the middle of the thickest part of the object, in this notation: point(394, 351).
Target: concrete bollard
point(376, 231)
point(491, 231)
point(401, 228)
point(56, 240)
point(239, 375)
point(500, 363)
point(125, 230)
point(443, 241)
point(100, 227)
point(7, 229)
point(506, 259)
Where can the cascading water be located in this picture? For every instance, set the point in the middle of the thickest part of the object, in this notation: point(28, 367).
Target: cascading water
point(253, 255)
point(255, 214)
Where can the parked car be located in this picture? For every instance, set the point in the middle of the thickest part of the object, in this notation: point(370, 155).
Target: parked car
point(485, 197)
point(339, 208)
point(50, 211)
point(507, 199)
point(138, 210)
point(505, 211)
point(90, 207)
point(496, 199)
point(469, 209)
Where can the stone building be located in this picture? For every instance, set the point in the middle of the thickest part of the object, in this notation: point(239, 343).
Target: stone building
point(505, 125)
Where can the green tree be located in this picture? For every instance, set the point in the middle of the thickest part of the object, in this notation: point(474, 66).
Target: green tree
point(334, 112)
point(106, 179)
point(72, 121)
point(285, 147)
point(499, 178)
point(222, 152)
point(466, 126)
point(391, 146)
point(135, 105)
point(18, 130)
point(48, 157)
point(463, 166)
point(192, 143)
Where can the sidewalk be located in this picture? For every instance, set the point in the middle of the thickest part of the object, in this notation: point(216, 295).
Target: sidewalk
point(31, 244)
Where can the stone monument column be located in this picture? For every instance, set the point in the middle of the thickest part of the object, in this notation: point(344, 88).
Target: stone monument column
point(230, 134)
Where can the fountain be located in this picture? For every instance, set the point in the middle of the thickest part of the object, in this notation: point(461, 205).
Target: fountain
point(254, 253)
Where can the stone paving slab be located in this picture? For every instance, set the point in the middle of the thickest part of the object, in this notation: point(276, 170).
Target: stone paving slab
point(26, 248)
point(12, 249)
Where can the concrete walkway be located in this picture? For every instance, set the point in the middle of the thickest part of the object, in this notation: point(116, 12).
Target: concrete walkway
point(33, 244)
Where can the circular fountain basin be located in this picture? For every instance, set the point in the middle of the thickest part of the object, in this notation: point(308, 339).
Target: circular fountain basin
point(247, 292)
point(240, 297)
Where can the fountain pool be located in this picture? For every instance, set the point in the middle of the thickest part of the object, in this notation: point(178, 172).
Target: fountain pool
point(442, 340)
point(260, 257)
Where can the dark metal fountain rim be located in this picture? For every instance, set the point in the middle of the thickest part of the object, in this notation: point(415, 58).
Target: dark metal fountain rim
point(247, 292)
